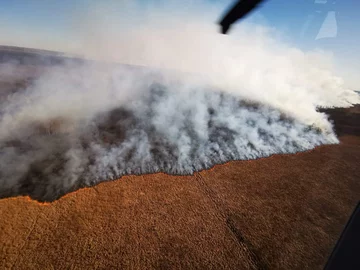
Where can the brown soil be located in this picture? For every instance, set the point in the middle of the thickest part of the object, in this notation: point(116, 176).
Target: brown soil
point(281, 212)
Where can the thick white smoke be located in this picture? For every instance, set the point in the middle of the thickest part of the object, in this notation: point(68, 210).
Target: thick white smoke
point(209, 99)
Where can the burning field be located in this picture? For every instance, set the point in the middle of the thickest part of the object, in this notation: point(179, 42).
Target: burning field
point(77, 123)
point(166, 145)
point(203, 137)
point(281, 212)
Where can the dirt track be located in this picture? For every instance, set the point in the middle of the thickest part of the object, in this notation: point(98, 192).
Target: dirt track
point(282, 212)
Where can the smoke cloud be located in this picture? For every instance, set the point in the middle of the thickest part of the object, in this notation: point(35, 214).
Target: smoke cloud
point(195, 99)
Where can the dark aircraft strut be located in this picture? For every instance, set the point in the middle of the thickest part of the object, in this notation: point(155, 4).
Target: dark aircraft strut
point(241, 9)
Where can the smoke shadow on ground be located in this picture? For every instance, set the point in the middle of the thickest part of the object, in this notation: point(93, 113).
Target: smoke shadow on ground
point(346, 120)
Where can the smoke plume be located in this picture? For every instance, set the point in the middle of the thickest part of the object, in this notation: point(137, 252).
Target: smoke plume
point(195, 99)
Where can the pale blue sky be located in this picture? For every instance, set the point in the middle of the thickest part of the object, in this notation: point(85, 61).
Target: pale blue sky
point(300, 19)
point(332, 25)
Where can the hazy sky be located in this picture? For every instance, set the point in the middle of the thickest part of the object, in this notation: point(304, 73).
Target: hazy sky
point(307, 24)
